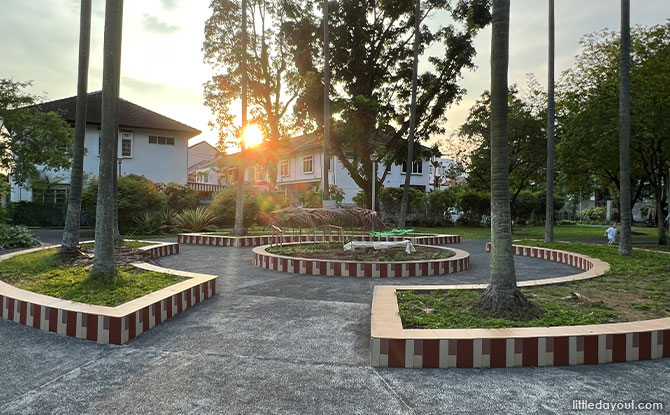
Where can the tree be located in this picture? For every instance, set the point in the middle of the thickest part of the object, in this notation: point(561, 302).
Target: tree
point(371, 64)
point(412, 117)
point(588, 102)
point(626, 241)
point(103, 263)
point(551, 146)
point(502, 296)
point(525, 143)
point(30, 139)
point(71, 231)
point(239, 228)
point(326, 102)
point(273, 83)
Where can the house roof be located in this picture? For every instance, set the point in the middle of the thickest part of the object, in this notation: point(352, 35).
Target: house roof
point(201, 143)
point(130, 115)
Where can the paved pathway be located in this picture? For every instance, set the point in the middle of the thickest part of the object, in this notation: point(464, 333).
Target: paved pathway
point(281, 343)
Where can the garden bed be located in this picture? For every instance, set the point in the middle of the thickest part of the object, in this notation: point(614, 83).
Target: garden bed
point(335, 250)
point(46, 272)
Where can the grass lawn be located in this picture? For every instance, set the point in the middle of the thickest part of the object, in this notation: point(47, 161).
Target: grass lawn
point(537, 232)
point(127, 243)
point(665, 248)
point(44, 272)
point(335, 251)
point(635, 288)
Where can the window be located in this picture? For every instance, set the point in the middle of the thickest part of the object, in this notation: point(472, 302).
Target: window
point(308, 164)
point(52, 195)
point(417, 168)
point(126, 145)
point(161, 139)
point(259, 173)
point(283, 168)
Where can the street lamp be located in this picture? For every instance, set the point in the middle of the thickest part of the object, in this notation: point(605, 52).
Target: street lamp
point(373, 158)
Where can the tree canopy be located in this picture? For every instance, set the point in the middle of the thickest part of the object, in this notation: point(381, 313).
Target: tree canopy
point(30, 139)
point(371, 63)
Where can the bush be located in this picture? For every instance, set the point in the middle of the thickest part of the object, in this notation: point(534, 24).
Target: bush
point(438, 203)
point(390, 201)
point(593, 214)
point(179, 197)
point(37, 214)
point(530, 207)
point(148, 223)
point(16, 237)
point(257, 205)
point(359, 199)
point(137, 195)
point(475, 207)
point(196, 220)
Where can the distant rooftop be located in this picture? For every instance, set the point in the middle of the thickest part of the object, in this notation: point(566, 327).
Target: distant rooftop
point(130, 115)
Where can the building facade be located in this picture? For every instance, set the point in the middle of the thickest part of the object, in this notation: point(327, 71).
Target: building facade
point(150, 145)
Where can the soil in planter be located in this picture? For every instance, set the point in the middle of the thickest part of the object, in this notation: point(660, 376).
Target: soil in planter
point(336, 251)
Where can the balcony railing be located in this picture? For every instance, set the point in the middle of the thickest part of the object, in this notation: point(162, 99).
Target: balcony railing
point(205, 187)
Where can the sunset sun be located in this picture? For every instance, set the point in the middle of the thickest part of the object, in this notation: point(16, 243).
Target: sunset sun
point(252, 135)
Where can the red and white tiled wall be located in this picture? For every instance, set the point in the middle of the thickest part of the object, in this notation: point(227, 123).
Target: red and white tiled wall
point(219, 240)
point(521, 352)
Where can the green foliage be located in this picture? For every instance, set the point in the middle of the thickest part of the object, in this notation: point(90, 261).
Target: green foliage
point(196, 220)
point(372, 74)
point(587, 104)
point(257, 204)
point(179, 197)
point(148, 223)
point(312, 198)
point(137, 195)
point(595, 214)
point(474, 205)
point(390, 199)
point(16, 237)
point(439, 204)
point(37, 214)
point(527, 141)
point(30, 137)
point(529, 207)
point(359, 199)
point(45, 272)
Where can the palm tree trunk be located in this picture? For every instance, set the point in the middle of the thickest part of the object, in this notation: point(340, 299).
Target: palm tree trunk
point(326, 103)
point(72, 220)
point(412, 118)
point(549, 218)
point(660, 217)
point(626, 241)
point(104, 227)
point(239, 228)
point(502, 297)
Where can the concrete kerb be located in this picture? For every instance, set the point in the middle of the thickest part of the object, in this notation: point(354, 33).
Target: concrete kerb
point(393, 346)
point(115, 325)
point(460, 261)
point(209, 239)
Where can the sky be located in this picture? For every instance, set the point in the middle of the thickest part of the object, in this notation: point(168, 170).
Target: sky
point(162, 67)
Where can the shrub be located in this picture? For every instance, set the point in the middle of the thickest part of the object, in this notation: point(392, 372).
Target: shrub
point(196, 220)
point(179, 197)
point(37, 214)
point(359, 199)
point(148, 223)
point(594, 214)
point(438, 203)
point(390, 200)
point(16, 237)
point(475, 206)
point(257, 205)
point(137, 195)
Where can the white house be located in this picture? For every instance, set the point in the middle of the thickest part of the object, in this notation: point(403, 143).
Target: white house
point(150, 145)
point(300, 168)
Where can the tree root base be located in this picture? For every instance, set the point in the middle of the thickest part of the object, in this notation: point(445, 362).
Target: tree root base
point(507, 304)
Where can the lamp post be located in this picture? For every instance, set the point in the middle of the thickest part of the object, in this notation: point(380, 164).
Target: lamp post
point(373, 158)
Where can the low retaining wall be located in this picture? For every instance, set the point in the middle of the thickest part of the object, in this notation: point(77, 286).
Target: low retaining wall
point(115, 325)
point(338, 268)
point(220, 240)
point(393, 346)
point(161, 249)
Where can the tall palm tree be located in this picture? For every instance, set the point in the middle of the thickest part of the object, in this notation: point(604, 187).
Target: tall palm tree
point(551, 108)
point(326, 103)
point(501, 297)
point(626, 240)
point(412, 118)
point(72, 220)
point(239, 228)
point(104, 226)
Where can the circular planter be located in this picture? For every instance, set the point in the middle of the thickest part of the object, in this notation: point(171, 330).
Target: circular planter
point(222, 240)
point(338, 268)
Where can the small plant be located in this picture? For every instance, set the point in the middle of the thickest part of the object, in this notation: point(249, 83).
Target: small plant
point(16, 237)
point(594, 214)
point(149, 223)
point(196, 220)
point(169, 219)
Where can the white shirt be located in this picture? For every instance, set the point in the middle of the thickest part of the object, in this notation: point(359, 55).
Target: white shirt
point(611, 232)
